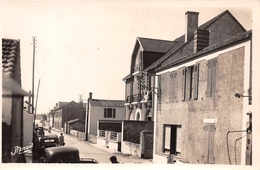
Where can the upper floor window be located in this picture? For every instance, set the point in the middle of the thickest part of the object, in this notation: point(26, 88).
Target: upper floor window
point(211, 77)
point(190, 77)
point(109, 113)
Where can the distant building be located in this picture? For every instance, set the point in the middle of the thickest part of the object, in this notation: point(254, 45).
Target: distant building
point(67, 111)
point(103, 111)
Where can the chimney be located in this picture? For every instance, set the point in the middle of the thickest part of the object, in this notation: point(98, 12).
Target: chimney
point(201, 40)
point(191, 24)
point(90, 95)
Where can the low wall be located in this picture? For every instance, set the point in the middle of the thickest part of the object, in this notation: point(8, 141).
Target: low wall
point(101, 141)
point(81, 136)
point(74, 133)
point(113, 145)
point(159, 159)
point(131, 148)
point(92, 138)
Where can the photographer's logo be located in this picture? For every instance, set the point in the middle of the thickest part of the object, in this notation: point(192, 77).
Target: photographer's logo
point(22, 150)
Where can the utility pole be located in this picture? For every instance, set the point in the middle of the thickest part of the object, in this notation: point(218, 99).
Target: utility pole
point(34, 116)
point(37, 96)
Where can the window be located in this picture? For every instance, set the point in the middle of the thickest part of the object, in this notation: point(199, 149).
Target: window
point(190, 77)
point(172, 139)
point(109, 113)
point(137, 116)
point(211, 78)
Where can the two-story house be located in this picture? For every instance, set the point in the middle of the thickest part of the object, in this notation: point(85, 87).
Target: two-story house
point(103, 116)
point(204, 99)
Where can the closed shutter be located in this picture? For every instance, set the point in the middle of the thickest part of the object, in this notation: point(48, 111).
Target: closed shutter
point(171, 87)
point(209, 89)
point(183, 83)
point(167, 139)
point(209, 144)
point(175, 86)
point(206, 144)
point(179, 139)
point(196, 81)
point(213, 77)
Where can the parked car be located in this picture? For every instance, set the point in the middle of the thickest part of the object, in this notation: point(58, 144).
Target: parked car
point(47, 142)
point(64, 154)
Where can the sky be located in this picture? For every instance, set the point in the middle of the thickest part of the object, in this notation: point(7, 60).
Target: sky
point(86, 46)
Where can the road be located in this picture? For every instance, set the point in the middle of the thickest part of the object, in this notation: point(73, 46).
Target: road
point(102, 155)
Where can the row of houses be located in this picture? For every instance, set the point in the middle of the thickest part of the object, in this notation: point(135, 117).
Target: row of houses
point(195, 91)
point(189, 99)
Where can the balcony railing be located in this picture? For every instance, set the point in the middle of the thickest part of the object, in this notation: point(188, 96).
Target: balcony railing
point(101, 133)
point(129, 99)
point(137, 97)
point(137, 68)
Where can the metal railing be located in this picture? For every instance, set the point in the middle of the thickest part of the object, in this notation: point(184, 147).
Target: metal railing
point(101, 133)
point(113, 136)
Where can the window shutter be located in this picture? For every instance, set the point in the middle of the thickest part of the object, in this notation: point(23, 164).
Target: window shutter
point(167, 137)
point(213, 76)
point(196, 81)
point(208, 93)
point(179, 139)
point(175, 86)
point(188, 78)
point(183, 83)
point(114, 113)
point(206, 144)
point(171, 86)
point(211, 144)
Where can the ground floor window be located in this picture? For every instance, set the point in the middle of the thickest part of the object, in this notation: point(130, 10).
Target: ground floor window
point(172, 139)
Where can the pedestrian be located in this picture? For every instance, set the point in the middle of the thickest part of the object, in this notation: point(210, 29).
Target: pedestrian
point(113, 160)
point(50, 129)
point(61, 138)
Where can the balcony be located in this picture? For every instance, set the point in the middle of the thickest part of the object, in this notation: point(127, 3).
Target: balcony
point(129, 100)
point(137, 97)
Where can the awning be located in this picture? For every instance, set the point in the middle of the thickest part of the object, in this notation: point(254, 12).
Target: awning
point(11, 88)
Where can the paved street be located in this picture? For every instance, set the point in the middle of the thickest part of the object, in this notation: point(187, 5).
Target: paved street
point(101, 154)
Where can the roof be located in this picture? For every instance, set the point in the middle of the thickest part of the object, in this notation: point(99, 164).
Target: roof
point(178, 43)
point(155, 45)
point(65, 104)
point(11, 87)
point(10, 52)
point(109, 103)
point(181, 40)
point(213, 47)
